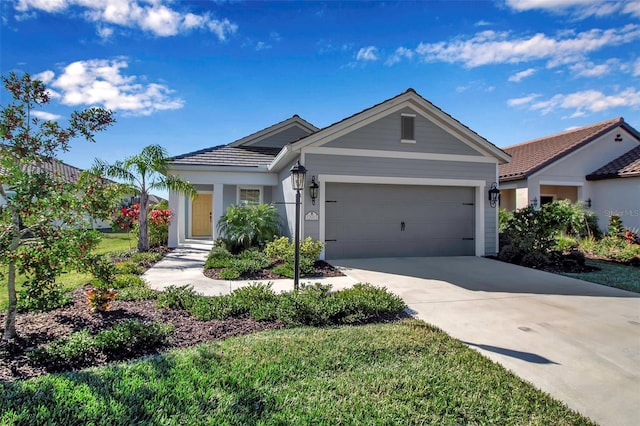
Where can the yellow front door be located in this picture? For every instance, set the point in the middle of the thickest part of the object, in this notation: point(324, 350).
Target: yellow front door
point(201, 216)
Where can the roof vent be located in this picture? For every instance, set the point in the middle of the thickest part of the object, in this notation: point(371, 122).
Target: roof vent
point(618, 138)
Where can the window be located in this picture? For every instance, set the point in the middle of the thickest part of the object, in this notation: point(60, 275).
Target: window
point(407, 133)
point(249, 196)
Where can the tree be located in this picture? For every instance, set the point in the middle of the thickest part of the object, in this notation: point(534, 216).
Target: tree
point(44, 218)
point(145, 172)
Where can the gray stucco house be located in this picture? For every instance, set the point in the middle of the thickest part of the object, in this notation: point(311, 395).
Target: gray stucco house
point(401, 178)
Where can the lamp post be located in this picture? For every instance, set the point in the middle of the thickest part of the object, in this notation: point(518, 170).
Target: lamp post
point(298, 174)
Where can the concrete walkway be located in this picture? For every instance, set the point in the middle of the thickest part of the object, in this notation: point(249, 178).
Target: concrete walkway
point(578, 341)
point(184, 265)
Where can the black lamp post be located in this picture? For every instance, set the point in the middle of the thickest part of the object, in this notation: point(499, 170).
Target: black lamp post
point(298, 174)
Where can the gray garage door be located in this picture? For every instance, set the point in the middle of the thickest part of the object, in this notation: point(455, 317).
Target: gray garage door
point(364, 220)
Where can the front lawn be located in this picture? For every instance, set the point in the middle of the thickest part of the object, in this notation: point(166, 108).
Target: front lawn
point(398, 373)
point(611, 274)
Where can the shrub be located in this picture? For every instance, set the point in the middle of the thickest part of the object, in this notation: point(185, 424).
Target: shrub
point(102, 268)
point(182, 297)
point(130, 336)
point(565, 243)
point(129, 267)
point(510, 254)
point(42, 297)
point(76, 349)
point(249, 226)
point(615, 228)
point(535, 260)
point(531, 230)
point(504, 216)
point(283, 250)
point(361, 303)
point(229, 274)
point(218, 258)
point(80, 348)
point(128, 280)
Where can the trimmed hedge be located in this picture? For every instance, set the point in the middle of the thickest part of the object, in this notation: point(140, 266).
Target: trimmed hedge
point(313, 305)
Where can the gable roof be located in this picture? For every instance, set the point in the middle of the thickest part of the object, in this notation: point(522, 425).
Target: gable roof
point(227, 155)
point(406, 98)
point(531, 156)
point(241, 153)
point(293, 121)
point(627, 165)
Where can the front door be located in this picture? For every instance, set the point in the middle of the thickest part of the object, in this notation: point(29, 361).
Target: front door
point(201, 216)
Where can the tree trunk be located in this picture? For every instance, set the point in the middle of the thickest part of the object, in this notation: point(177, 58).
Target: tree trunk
point(10, 320)
point(143, 223)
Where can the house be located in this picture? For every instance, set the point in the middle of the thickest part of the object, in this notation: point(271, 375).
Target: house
point(67, 173)
point(401, 178)
point(598, 165)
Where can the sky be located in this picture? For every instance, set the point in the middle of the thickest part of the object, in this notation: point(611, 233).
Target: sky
point(195, 74)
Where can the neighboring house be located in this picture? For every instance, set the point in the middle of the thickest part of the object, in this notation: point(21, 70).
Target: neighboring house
point(69, 174)
point(598, 165)
point(401, 178)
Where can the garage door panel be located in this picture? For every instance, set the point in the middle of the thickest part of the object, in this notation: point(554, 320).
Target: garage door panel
point(366, 220)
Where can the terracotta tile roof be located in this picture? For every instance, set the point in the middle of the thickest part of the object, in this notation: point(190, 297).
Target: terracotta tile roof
point(627, 165)
point(225, 155)
point(529, 157)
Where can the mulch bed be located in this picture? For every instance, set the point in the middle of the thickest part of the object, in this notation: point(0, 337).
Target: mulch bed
point(37, 329)
point(321, 269)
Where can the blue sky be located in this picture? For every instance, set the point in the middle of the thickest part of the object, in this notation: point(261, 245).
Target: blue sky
point(193, 74)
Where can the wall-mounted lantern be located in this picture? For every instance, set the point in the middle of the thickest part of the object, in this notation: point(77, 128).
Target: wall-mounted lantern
point(313, 190)
point(494, 194)
point(534, 202)
point(588, 203)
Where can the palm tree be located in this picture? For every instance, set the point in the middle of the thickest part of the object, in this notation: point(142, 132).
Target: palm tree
point(145, 172)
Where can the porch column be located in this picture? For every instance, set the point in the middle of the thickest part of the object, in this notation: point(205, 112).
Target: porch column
point(176, 227)
point(522, 198)
point(218, 207)
point(534, 193)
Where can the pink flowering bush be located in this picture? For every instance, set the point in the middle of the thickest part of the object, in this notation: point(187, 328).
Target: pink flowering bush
point(127, 220)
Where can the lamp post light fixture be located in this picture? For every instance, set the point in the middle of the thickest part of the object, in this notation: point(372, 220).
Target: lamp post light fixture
point(298, 175)
point(313, 190)
point(494, 194)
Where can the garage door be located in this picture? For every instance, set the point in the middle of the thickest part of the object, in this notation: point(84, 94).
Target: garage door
point(365, 220)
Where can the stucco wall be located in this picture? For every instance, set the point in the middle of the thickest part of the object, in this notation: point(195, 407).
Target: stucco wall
point(617, 196)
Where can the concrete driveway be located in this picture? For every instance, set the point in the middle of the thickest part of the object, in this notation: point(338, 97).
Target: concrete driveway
point(578, 341)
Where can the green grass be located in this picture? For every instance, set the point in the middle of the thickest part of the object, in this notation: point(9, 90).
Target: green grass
point(402, 373)
point(612, 275)
point(111, 242)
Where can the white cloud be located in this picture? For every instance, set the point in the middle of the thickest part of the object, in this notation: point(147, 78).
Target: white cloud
point(588, 101)
point(482, 23)
point(100, 82)
point(636, 68)
point(516, 102)
point(517, 77)
point(148, 15)
point(369, 53)
point(43, 115)
point(589, 69)
point(490, 47)
point(261, 45)
point(579, 9)
point(398, 55)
